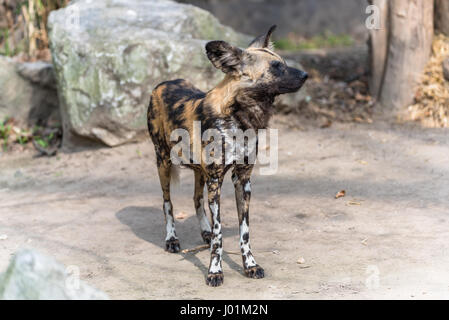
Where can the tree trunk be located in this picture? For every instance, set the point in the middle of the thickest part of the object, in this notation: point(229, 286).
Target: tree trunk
point(400, 51)
point(442, 16)
point(378, 44)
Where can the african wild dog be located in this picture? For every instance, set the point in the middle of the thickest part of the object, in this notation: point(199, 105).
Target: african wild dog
point(244, 100)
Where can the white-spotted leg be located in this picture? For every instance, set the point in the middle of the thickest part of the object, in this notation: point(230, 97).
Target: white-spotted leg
point(171, 240)
point(241, 179)
point(215, 273)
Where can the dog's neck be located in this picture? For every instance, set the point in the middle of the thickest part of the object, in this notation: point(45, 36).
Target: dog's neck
point(223, 95)
point(252, 108)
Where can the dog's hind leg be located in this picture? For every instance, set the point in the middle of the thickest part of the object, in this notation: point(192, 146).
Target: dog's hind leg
point(241, 179)
point(215, 274)
point(171, 240)
point(198, 201)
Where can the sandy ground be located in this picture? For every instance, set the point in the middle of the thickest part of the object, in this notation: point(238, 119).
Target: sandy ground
point(100, 210)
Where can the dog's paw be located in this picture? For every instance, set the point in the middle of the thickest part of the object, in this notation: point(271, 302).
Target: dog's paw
point(207, 236)
point(172, 245)
point(255, 272)
point(214, 279)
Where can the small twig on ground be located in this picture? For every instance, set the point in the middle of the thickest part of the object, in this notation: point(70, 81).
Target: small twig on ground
point(233, 252)
point(197, 248)
point(207, 246)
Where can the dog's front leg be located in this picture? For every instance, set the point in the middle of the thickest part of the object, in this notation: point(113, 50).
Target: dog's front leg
point(215, 274)
point(241, 179)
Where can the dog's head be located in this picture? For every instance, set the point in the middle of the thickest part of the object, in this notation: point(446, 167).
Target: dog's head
point(257, 67)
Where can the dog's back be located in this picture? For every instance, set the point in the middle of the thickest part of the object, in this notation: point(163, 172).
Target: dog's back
point(173, 105)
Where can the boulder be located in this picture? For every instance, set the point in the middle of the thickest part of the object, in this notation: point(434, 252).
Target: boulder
point(28, 92)
point(109, 55)
point(15, 94)
point(33, 276)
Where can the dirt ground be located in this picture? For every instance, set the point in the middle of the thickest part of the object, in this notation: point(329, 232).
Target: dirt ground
point(387, 238)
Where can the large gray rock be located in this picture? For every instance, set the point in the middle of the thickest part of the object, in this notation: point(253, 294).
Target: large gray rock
point(110, 54)
point(32, 276)
point(28, 92)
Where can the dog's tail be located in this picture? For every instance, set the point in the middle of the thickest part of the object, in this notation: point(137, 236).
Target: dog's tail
point(175, 175)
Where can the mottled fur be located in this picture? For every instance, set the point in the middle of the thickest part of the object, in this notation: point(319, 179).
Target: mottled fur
point(244, 100)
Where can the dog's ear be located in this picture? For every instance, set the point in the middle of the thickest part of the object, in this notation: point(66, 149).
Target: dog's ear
point(263, 41)
point(224, 56)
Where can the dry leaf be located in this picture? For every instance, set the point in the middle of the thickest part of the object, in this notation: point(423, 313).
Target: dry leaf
point(301, 260)
point(354, 203)
point(364, 241)
point(340, 194)
point(326, 124)
point(181, 215)
point(432, 94)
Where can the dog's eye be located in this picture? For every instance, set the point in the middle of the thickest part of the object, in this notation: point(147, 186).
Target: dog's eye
point(276, 64)
point(277, 68)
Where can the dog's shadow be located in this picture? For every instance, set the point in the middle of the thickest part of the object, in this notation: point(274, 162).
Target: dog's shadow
point(148, 224)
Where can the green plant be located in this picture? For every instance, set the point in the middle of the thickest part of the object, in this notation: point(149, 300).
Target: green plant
point(325, 40)
point(44, 140)
point(6, 50)
point(23, 137)
point(5, 132)
point(285, 44)
point(41, 141)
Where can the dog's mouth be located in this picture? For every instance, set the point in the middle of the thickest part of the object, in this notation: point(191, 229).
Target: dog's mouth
point(292, 88)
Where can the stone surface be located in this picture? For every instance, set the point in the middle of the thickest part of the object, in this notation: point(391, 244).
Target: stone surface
point(40, 73)
point(109, 55)
point(33, 276)
point(15, 94)
point(28, 92)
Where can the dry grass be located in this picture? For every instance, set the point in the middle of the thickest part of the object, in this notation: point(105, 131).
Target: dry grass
point(431, 107)
point(26, 34)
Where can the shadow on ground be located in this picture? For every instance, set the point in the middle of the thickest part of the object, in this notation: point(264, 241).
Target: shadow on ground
point(148, 224)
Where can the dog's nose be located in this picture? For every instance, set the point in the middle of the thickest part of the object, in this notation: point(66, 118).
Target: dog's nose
point(305, 75)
